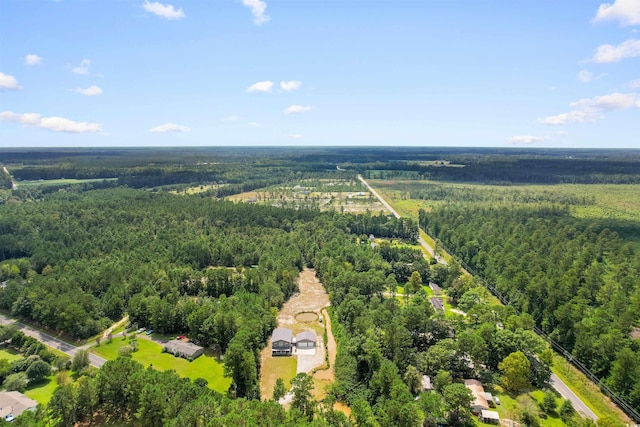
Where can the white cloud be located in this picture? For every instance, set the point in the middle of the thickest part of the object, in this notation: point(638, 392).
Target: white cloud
point(591, 109)
point(254, 124)
point(585, 76)
point(295, 109)
point(232, 119)
point(83, 68)
point(296, 136)
point(166, 11)
point(265, 86)
point(290, 85)
point(627, 12)
point(8, 82)
point(634, 84)
point(258, 8)
point(613, 102)
point(169, 127)
point(609, 53)
point(32, 59)
point(56, 124)
point(525, 139)
point(570, 117)
point(90, 91)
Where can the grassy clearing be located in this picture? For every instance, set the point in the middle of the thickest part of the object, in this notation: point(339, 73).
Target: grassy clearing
point(9, 354)
point(274, 368)
point(587, 391)
point(150, 353)
point(42, 391)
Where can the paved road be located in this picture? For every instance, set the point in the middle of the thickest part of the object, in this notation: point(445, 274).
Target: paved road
point(52, 341)
point(422, 242)
point(566, 393)
point(556, 382)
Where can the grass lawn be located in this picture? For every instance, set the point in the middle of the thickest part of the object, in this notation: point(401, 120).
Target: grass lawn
point(9, 354)
point(150, 353)
point(508, 409)
point(274, 368)
point(42, 391)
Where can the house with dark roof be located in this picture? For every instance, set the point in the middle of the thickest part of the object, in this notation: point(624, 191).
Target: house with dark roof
point(437, 303)
point(180, 348)
point(14, 403)
point(281, 342)
point(306, 339)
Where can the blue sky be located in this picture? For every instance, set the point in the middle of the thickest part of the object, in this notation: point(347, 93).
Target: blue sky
point(474, 73)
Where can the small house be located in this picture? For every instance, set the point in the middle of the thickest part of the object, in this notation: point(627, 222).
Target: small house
point(426, 383)
point(437, 290)
point(281, 342)
point(489, 398)
point(489, 417)
point(306, 339)
point(479, 402)
point(14, 403)
point(180, 348)
point(437, 303)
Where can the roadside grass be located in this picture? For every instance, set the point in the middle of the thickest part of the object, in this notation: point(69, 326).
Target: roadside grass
point(9, 354)
point(42, 391)
point(150, 353)
point(273, 368)
point(62, 181)
point(587, 391)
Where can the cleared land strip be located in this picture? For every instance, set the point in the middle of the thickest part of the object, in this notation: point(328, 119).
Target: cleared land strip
point(562, 388)
point(422, 242)
point(52, 341)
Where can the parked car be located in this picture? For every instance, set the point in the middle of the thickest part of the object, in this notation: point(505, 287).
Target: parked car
point(181, 337)
point(496, 399)
point(150, 331)
point(141, 330)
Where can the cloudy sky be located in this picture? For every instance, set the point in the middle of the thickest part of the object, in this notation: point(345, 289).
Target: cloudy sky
point(543, 73)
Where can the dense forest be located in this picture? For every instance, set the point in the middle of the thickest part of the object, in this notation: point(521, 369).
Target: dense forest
point(578, 279)
point(74, 258)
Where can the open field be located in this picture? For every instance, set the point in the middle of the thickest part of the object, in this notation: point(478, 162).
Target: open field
point(339, 195)
point(62, 181)
point(9, 354)
point(42, 391)
point(274, 368)
point(150, 353)
point(198, 189)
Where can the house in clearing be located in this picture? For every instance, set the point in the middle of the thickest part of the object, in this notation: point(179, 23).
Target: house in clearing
point(179, 348)
point(281, 342)
point(489, 417)
point(14, 403)
point(479, 402)
point(306, 339)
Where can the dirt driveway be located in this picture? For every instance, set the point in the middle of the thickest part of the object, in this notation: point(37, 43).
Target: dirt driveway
point(311, 298)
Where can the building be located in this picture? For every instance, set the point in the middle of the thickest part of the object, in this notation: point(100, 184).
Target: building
point(180, 348)
point(479, 402)
point(306, 339)
point(490, 417)
point(426, 383)
point(437, 290)
point(14, 403)
point(437, 303)
point(281, 342)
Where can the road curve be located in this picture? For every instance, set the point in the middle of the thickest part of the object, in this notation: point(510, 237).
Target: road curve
point(568, 394)
point(52, 341)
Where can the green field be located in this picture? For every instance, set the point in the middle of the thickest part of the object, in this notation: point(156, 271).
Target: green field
point(62, 181)
point(42, 391)
point(150, 353)
point(9, 354)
